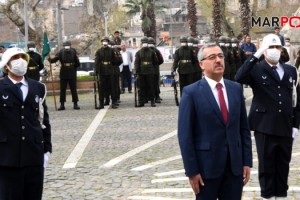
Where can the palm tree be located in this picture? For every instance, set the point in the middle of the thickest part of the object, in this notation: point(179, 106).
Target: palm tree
point(217, 18)
point(148, 9)
point(245, 15)
point(192, 11)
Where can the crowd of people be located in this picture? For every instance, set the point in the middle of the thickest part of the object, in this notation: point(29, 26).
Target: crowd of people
point(213, 129)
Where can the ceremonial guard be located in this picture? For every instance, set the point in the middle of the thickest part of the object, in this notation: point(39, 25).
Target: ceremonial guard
point(35, 64)
point(198, 74)
point(104, 68)
point(222, 43)
point(184, 61)
point(151, 45)
point(144, 64)
point(68, 73)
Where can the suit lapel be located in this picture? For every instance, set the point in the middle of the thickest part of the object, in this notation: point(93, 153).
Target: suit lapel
point(230, 98)
point(211, 98)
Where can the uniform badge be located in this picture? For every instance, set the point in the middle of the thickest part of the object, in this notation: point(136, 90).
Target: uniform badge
point(264, 77)
point(291, 79)
point(36, 98)
point(4, 97)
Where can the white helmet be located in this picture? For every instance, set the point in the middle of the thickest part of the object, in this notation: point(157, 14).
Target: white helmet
point(271, 40)
point(10, 53)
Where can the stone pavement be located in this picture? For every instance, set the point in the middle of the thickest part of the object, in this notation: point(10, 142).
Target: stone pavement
point(144, 141)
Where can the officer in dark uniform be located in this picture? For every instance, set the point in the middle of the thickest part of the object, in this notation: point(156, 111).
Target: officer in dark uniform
point(185, 61)
point(69, 64)
point(116, 74)
point(222, 43)
point(238, 56)
point(151, 45)
point(104, 68)
point(198, 74)
point(231, 58)
point(35, 64)
point(144, 64)
point(274, 114)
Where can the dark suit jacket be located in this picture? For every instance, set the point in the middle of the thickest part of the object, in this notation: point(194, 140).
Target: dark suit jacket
point(205, 141)
point(22, 140)
point(271, 110)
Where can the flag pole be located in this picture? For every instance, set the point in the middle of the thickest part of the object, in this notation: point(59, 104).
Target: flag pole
point(53, 89)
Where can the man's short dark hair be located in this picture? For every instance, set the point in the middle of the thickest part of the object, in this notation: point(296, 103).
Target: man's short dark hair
point(277, 27)
point(116, 32)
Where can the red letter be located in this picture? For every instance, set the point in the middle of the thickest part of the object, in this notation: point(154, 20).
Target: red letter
point(283, 20)
point(297, 19)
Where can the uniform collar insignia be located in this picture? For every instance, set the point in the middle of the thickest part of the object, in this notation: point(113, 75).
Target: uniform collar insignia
point(264, 77)
point(4, 97)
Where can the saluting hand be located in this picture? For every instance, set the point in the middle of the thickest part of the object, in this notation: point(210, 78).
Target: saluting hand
point(195, 182)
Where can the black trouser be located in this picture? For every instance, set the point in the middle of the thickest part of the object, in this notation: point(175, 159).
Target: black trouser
point(126, 78)
point(107, 87)
point(146, 83)
point(63, 88)
point(24, 183)
point(157, 85)
point(274, 155)
point(185, 79)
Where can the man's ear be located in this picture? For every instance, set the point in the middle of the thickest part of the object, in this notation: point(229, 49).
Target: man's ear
point(201, 65)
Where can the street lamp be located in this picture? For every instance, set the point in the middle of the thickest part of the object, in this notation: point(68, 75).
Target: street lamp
point(105, 14)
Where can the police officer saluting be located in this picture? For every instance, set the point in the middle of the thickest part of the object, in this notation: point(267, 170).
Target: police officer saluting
point(144, 64)
point(35, 64)
point(274, 114)
point(68, 73)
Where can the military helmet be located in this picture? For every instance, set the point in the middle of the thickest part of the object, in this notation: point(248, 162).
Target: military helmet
point(151, 40)
point(190, 40)
point(105, 38)
point(144, 40)
point(183, 39)
point(31, 45)
point(228, 39)
point(222, 39)
point(67, 43)
point(234, 40)
point(196, 41)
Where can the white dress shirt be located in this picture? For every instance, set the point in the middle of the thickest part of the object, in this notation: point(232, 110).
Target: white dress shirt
point(213, 85)
point(24, 86)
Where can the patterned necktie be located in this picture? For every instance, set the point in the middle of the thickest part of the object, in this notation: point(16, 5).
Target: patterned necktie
point(223, 106)
point(19, 90)
point(275, 72)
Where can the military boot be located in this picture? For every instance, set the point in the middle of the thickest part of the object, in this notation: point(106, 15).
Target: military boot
point(62, 106)
point(153, 103)
point(76, 107)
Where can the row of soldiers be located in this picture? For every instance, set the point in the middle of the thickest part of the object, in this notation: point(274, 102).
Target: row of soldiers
point(107, 61)
point(187, 64)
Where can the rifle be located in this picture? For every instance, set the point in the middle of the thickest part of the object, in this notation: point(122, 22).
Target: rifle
point(96, 88)
point(135, 91)
point(175, 90)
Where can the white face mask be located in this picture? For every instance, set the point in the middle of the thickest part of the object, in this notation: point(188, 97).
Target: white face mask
point(31, 49)
point(222, 44)
point(144, 45)
point(67, 47)
point(183, 44)
point(234, 45)
point(104, 43)
point(190, 44)
point(227, 45)
point(287, 44)
point(18, 67)
point(273, 55)
point(151, 45)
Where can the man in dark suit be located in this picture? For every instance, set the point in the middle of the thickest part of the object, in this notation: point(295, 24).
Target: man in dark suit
point(25, 133)
point(274, 115)
point(213, 132)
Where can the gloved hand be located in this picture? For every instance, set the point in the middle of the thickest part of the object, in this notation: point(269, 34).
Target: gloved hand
point(260, 51)
point(46, 159)
point(295, 132)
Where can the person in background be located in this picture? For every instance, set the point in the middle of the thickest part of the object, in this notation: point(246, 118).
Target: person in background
point(277, 32)
point(291, 50)
point(25, 130)
point(35, 64)
point(126, 69)
point(274, 115)
point(68, 73)
point(213, 132)
point(248, 47)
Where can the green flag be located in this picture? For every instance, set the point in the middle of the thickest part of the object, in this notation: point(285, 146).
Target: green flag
point(46, 46)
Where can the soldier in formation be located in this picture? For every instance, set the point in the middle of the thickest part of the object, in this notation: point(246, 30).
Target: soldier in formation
point(104, 68)
point(68, 73)
point(145, 65)
point(35, 64)
point(185, 62)
point(151, 45)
